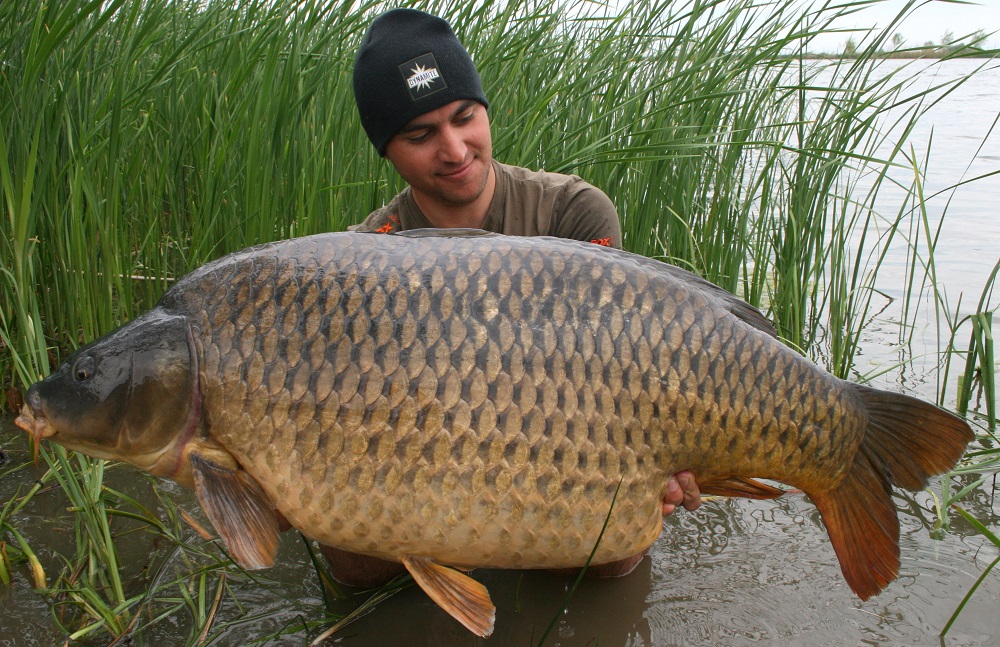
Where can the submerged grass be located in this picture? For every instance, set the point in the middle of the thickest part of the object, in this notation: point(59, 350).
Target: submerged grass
point(995, 540)
point(142, 138)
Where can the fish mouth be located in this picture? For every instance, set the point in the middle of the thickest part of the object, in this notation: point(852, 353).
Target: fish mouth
point(36, 425)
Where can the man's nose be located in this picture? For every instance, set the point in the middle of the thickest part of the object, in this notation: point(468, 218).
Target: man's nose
point(452, 147)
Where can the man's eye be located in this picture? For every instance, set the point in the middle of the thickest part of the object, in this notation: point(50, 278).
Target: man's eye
point(418, 137)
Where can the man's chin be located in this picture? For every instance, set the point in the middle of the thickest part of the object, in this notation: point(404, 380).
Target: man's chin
point(459, 199)
point(466, 194)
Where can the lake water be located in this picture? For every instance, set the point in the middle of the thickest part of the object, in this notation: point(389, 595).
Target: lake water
point(961, 136)
point(733, 573)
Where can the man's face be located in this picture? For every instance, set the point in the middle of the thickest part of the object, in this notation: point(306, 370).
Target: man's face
point(445, 155)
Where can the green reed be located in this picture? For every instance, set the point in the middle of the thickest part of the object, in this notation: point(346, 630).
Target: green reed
point(142, 138)
point(980, 358)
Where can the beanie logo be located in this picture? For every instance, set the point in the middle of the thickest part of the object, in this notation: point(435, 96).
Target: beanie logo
point(422, 76)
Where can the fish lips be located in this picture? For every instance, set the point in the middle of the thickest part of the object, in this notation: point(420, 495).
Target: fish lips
point(46, 416)
point(32, 421)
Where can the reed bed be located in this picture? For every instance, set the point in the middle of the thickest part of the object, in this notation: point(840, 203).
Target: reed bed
point(142, 138)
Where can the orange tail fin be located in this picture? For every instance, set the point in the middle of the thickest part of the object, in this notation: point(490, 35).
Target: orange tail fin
point(907, 441)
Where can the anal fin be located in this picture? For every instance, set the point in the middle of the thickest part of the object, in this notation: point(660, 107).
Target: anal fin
point(739, 486)
point(462, 597)
point(237, 506)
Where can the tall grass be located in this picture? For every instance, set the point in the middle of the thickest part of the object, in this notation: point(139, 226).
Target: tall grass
point(142, 138)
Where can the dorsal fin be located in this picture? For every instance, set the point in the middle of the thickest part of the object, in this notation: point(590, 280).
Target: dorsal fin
point(736, 306)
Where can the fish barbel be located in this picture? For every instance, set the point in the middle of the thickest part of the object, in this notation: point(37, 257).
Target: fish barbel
point(459, 399)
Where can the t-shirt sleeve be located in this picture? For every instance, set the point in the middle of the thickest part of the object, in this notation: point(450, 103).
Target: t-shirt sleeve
point(382, 221)
point(589, 215)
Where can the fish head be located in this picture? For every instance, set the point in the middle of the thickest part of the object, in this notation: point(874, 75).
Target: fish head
point(130, 395)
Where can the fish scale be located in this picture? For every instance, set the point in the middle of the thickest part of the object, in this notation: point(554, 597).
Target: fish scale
point(546, 437)
point(457, 399)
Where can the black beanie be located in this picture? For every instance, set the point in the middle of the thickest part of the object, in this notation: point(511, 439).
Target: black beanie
point(409, 63)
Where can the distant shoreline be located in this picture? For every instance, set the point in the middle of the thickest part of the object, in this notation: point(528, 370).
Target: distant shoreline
point(894, 55)
point(931, 52)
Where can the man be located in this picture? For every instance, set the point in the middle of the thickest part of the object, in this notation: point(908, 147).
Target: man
point(422, 105)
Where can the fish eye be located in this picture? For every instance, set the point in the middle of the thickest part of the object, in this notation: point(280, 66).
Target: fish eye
point(83, 369)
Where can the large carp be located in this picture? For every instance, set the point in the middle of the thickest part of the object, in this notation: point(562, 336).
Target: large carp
point(448, 400)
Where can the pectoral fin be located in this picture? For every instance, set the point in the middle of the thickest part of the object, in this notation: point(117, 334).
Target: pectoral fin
point(238, 508)
point(465, 599)
point(739, 486)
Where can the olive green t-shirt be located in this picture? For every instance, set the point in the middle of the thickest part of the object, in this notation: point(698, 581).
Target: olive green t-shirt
point(526, 203)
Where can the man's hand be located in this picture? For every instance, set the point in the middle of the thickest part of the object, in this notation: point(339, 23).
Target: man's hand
point(682, 489)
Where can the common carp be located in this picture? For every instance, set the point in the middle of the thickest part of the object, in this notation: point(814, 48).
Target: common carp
point(454, 399)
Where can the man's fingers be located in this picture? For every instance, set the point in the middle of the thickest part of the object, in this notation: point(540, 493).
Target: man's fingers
point(682, 489)
point(691, 494)
point(673, 497)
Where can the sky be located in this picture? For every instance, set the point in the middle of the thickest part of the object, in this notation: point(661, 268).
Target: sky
point(928, 22)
